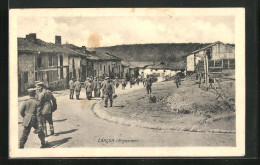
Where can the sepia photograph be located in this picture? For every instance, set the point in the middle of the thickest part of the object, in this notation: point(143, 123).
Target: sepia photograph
point(127, 82)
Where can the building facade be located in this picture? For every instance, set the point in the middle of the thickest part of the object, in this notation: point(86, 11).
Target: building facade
point(217, 55)
point(51, 63)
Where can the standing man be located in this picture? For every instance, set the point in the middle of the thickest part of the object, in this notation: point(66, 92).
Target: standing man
point(89, 88)
point(104, 83)
point(177, 80)
point(149, 83)
point(116, 82)
point(30, 111)
point(77, 88)
point(137, 81)
point(109, 91)
point(71, 84)
point(97, 86)
point(124, 83)
point(144, 81)
point(48, 105)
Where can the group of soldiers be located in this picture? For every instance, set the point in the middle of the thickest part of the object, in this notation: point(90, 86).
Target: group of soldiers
point(104, 89)
point(36, 111)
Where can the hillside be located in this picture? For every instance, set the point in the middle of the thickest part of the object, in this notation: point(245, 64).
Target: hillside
point(152, 52)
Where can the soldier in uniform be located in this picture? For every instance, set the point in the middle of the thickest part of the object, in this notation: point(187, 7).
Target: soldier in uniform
point(103, 85)
point(71, 84)
point(77, 88)
point(124, 84)
point(177, 81)
point(31, 112)
point(109, 91)
point(37, 89)
point(137, 81)
point(89, 88)
point(48, 105)
point(97, 86)
point(116, 82)
point(149, 83)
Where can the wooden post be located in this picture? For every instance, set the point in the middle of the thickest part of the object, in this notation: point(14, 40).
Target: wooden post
point(205, 72)
point(207, 69)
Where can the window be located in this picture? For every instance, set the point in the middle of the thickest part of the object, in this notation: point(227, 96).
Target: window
point(39, 61)
point(218, 63)
point(61, 73)
point(100, 66)
point(61, 60)
point(211, 63)
point(55, 60)
point(25, 77)
point(50, 60)
point(225, 63)
point(232, 63)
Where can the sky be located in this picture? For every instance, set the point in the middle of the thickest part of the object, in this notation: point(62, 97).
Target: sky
point(119, 30)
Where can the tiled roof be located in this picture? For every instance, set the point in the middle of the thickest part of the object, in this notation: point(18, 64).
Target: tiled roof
point(218, 42)
point(41, 46)
point(140, 64)
point(104, 56)
point(93, 55)
point(168, 65)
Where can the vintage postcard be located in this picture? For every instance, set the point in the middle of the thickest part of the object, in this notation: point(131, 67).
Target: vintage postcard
point(121, 82)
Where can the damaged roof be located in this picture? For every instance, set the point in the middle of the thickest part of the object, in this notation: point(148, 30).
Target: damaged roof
point(168, 66)
point(42, 46)
point(218, 42)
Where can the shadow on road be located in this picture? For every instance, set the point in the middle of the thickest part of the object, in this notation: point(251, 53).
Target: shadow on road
point(120, 106)
point(61, 120)
point(57, 143)
point(65, 132)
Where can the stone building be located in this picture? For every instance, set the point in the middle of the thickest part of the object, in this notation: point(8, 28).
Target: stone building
point(217, 55)
point(51, 63)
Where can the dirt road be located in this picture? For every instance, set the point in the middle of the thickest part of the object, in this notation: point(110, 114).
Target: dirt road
point(77, 126)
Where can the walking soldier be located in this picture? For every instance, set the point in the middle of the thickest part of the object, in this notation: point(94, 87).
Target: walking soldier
point(149, 83)
point(124, 84)
point(48, 105)
point(177, 81)
point(89, 88)
point(71, 84)
point(30, 111)
point(97, 86)
point(104, 83)
point(109, 91)
point(116, 82)
point(77, 88)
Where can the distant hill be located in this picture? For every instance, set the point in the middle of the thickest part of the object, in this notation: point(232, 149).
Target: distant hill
point(152, 52)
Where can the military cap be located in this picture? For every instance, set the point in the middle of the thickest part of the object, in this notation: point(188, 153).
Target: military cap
point(31, 90)
point(40, 84)
point(36, 82)
point(106, 78)
point(72, 77)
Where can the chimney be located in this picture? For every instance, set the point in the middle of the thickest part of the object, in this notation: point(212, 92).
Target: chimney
point(84, 49)
point(31, 37)
point(58, 40)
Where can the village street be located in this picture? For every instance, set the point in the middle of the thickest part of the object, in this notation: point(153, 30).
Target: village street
point(77, 125)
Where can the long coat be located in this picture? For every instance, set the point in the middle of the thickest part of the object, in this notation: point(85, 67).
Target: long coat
point(77, 86)
point(30, 110)
point(47, 102)
point(71, 84)
point(88, 86)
